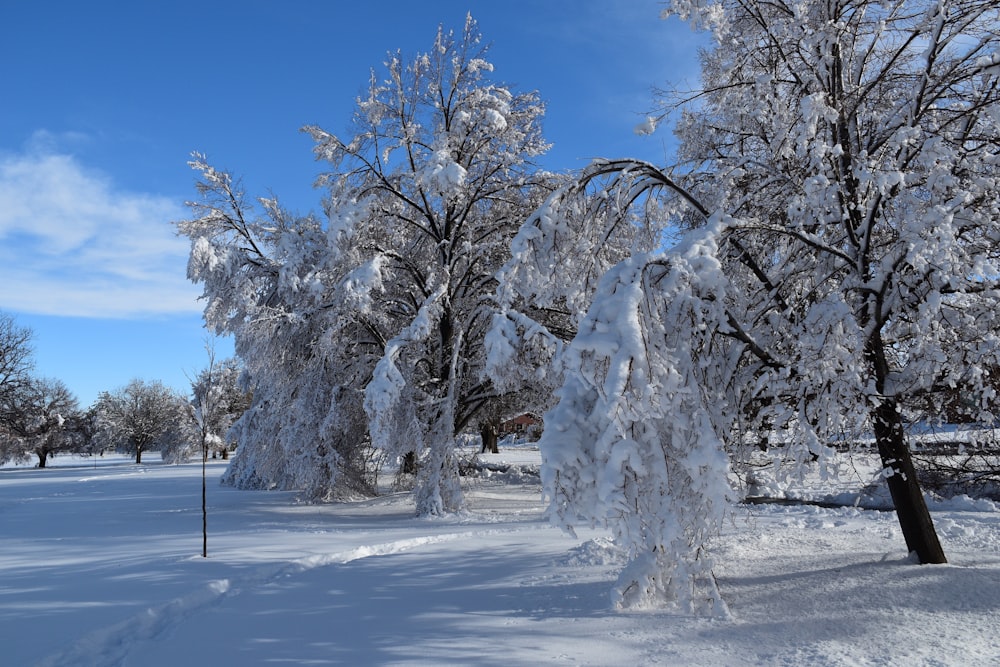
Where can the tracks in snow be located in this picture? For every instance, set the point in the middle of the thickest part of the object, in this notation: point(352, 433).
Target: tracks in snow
point(111, 645)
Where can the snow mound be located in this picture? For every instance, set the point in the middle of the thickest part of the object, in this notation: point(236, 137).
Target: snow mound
point(598, 551)
point(963, 503)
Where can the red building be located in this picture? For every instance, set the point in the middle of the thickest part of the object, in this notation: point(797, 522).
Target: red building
point(520, 425)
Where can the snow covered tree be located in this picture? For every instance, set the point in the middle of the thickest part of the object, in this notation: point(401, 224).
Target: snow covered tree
point(864, 180)
point(368, 329)
point(143, 416)
point(263, 275)
point(79, 428)
point(39, 422)
point(428, 196)
point(839, 188)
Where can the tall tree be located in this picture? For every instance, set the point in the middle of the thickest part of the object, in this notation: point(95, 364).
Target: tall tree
point(839, 181)
point(370, 327)
point(864, 177)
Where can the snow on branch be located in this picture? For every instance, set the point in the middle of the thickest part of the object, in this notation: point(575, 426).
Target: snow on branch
point(635, 441)
point(391, 424)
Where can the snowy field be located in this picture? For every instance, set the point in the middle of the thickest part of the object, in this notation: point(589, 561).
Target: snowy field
point(101, 565)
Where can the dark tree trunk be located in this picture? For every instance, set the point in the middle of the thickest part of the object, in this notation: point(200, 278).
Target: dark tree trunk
point(42, 458)
point(204, 505)
point(488, 433)
point(138, 455)
point(409, 465)
point(911, 510)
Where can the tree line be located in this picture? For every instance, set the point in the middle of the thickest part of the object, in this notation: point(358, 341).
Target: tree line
point(40, 417)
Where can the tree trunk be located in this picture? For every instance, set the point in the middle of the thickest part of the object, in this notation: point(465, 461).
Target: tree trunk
point(488, 433)
point(138, 455)
point(42, 458)
point(911, 510)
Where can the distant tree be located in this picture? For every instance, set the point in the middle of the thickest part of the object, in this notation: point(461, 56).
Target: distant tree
point(143, 416)
point(839, 193)
point(40, 422)
point(367, 330)
point(15, 365)
point(79, 428)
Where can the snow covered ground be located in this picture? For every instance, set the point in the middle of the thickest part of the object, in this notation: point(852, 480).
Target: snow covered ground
point(100, 565)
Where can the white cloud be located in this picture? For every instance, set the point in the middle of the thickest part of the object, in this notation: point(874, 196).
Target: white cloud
point(71, 243)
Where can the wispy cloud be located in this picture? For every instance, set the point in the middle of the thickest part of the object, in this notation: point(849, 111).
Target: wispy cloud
point(72, 243)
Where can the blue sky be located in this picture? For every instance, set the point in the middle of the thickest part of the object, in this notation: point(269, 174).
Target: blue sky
point(104, 102)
